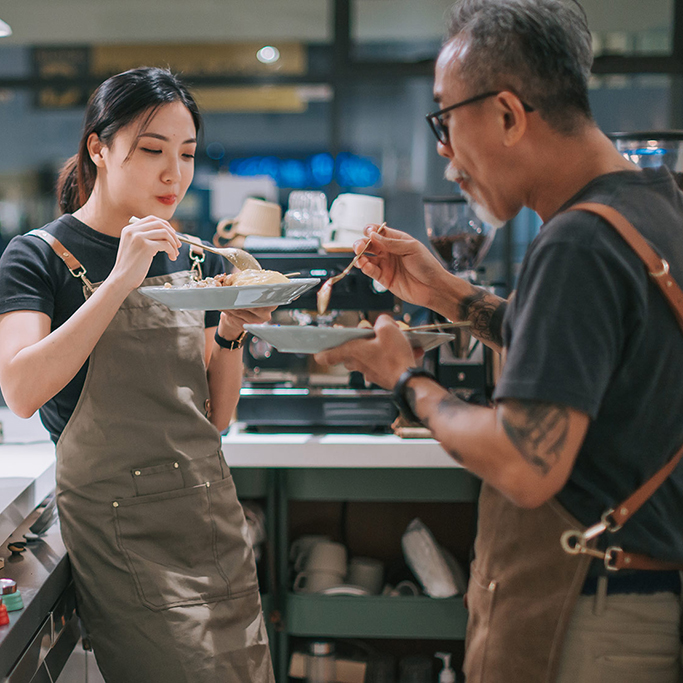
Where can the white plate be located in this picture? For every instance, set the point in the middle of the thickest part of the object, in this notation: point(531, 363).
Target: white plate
point(345, 589)
point(309, 339)
point(226, 298)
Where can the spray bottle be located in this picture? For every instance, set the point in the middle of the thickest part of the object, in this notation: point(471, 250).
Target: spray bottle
point(447, 674)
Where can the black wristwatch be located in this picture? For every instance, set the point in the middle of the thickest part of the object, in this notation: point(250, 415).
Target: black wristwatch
point(230, 344)
point(399, 392)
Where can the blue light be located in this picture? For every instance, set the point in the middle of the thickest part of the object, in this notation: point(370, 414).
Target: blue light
point(649, 151)
point(316, 171)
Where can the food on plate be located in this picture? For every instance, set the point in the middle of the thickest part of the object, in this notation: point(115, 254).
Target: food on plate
point(367, 325)
point(239, 279)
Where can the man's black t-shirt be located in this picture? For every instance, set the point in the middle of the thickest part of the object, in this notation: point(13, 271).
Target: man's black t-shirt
point(34, 278)
point(588, 328)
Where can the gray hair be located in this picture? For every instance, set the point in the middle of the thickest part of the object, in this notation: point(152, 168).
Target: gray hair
point(540, 49)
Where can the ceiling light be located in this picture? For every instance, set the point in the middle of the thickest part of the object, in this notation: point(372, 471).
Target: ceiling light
point(268, 54)
point(5, 29)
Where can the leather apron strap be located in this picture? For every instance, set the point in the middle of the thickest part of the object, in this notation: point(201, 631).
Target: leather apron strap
point(71, 262)
point(658, 269)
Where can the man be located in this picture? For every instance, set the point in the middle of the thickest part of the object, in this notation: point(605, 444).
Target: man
point(589, 403)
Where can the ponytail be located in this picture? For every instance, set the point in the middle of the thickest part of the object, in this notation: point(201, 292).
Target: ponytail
point(67, 186)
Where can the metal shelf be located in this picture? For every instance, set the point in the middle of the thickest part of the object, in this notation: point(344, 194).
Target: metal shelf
point(376, 616)
point(396, 485)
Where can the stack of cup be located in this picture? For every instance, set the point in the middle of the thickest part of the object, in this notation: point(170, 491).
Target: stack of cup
point(324, 567)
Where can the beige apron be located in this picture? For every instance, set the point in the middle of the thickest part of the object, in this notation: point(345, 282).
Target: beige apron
point(521, 593)
point(158, 542)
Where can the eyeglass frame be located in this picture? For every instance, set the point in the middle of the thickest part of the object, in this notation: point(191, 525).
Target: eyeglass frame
point(440, 129)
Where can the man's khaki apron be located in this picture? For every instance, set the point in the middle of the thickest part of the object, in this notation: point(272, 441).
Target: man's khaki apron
point(158, 542)
point(522, 590)
point(523, 585)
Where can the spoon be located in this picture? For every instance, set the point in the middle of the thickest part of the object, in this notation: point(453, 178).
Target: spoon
point(325, 292)
point(242, 260)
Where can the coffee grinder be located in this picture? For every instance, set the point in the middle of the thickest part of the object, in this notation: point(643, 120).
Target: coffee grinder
point(460, 240)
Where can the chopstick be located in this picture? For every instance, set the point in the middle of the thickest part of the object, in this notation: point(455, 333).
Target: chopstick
point(439, 326)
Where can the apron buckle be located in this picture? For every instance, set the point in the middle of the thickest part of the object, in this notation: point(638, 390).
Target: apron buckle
point(575, 543)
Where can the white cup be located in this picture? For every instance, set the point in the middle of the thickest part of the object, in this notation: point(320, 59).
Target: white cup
point(355, 211)
point(300, 549)
point(327, 556)
point(367, 573)
point(256, 217)
point(314, 582)
point(347, 236)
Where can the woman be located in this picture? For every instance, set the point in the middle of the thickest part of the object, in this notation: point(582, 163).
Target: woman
point(134, 395)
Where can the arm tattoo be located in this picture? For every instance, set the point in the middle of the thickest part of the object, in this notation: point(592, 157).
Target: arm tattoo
point(451, 404)
point(537, 430)
point(485, 311)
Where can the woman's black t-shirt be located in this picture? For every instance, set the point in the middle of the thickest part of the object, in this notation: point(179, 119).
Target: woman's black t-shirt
point(34, 278)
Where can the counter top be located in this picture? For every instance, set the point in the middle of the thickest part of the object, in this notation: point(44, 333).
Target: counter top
point(27, 459)
point(27, 469)
point(246, 449)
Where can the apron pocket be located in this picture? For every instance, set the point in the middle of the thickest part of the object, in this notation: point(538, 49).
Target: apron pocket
point(481, 593)
point(157, 479)
point(187, 546)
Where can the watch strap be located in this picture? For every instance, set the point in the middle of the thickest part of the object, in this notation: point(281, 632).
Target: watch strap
point(230, 344)
point(399, 392)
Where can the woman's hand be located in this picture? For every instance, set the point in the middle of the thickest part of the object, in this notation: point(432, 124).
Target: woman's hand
point(232, 322)
point(140, 241)
point(403, 265)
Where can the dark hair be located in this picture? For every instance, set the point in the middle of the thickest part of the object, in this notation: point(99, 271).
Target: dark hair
point(540, 49)
point(118, 101)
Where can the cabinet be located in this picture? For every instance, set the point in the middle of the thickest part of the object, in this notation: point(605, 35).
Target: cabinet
point(310, 615)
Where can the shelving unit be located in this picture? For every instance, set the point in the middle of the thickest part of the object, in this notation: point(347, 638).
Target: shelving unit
point(375, 616)
point(367, 616)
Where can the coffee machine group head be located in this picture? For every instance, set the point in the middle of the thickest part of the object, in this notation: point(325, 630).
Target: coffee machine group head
point(460, 240)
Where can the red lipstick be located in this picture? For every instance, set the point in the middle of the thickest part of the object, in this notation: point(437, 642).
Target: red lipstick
point(168, 199)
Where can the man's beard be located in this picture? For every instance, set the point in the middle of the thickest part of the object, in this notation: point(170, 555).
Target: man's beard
point(480, 211)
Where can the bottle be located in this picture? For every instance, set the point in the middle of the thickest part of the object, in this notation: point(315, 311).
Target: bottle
point(447, 674)
point(321, 663)
point(11, 596)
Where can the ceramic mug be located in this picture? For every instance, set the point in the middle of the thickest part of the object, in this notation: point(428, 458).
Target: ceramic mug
point(256, 217)
point(327, 556)
point(313, 582)
point(355, 211)
point(367, 573)
point(347, 236)
point(300, 549)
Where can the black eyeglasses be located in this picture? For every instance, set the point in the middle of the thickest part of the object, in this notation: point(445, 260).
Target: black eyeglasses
point(441, 129)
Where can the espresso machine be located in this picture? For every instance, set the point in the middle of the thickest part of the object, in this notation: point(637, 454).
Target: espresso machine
point(460, 240)
point(287, 390)
point(651, 149)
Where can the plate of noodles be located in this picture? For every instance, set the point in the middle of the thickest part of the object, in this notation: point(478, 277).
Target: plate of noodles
point(310, 339)
point(244, 289)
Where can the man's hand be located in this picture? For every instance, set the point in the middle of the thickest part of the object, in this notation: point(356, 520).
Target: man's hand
point(382, 359)
point(403, 265)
